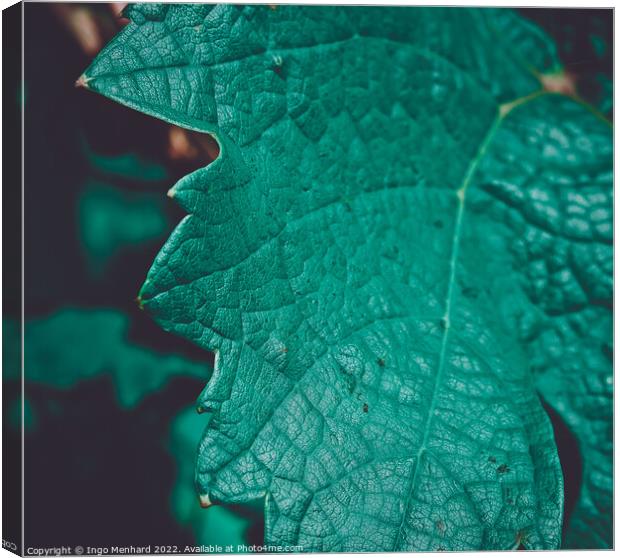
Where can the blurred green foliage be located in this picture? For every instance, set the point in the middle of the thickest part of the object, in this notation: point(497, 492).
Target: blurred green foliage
point(129, 166)
point(103, 382)
point(10, 350)
point(120, 209)
point(112, 221)
point(73, 345)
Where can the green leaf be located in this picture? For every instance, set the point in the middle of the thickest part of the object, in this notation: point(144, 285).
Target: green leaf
point(75, 345)
point(398, 216)
point(573, 356)
point(552, 196)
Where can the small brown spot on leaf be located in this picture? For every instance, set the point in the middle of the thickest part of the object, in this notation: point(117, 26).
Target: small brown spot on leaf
point(365, 407)
point(381, 362)
point(503, 468)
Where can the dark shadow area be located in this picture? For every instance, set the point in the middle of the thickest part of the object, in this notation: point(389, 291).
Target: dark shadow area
point(570, 459)
point(584, 39)
point(97, 474)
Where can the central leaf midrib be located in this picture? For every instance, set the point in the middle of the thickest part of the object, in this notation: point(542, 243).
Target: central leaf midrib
point(461, 195)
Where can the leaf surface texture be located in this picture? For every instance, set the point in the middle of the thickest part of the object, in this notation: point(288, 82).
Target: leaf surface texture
point(398, 221)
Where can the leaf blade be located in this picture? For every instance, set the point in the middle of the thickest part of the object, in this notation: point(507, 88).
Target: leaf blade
point(275, 274)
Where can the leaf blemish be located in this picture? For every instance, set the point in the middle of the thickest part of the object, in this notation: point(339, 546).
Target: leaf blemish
point(205, 501)
point(470, 292)
point(277, 63)
point(503, 468)
point(365, 407)
point(381, 362)
point(350, 384)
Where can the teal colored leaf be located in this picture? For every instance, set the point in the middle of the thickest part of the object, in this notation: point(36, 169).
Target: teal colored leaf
point(550, 200)
point(112, 220)
point(74, 345)
point(398, 216)
point(574, 359)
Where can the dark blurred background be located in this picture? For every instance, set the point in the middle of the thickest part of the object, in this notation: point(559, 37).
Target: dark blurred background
point(110, 427)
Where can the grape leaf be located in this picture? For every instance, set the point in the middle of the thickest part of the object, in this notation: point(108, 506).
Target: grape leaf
point(73, 345)
point(573, 355)
point(398, 215)
point(553, 198)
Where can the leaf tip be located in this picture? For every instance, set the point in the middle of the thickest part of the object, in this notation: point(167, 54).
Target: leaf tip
point(82, 81)
point(170, 193)
point(140, 302)
point(205, 501)
point(561, 82)
point(121, 10)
